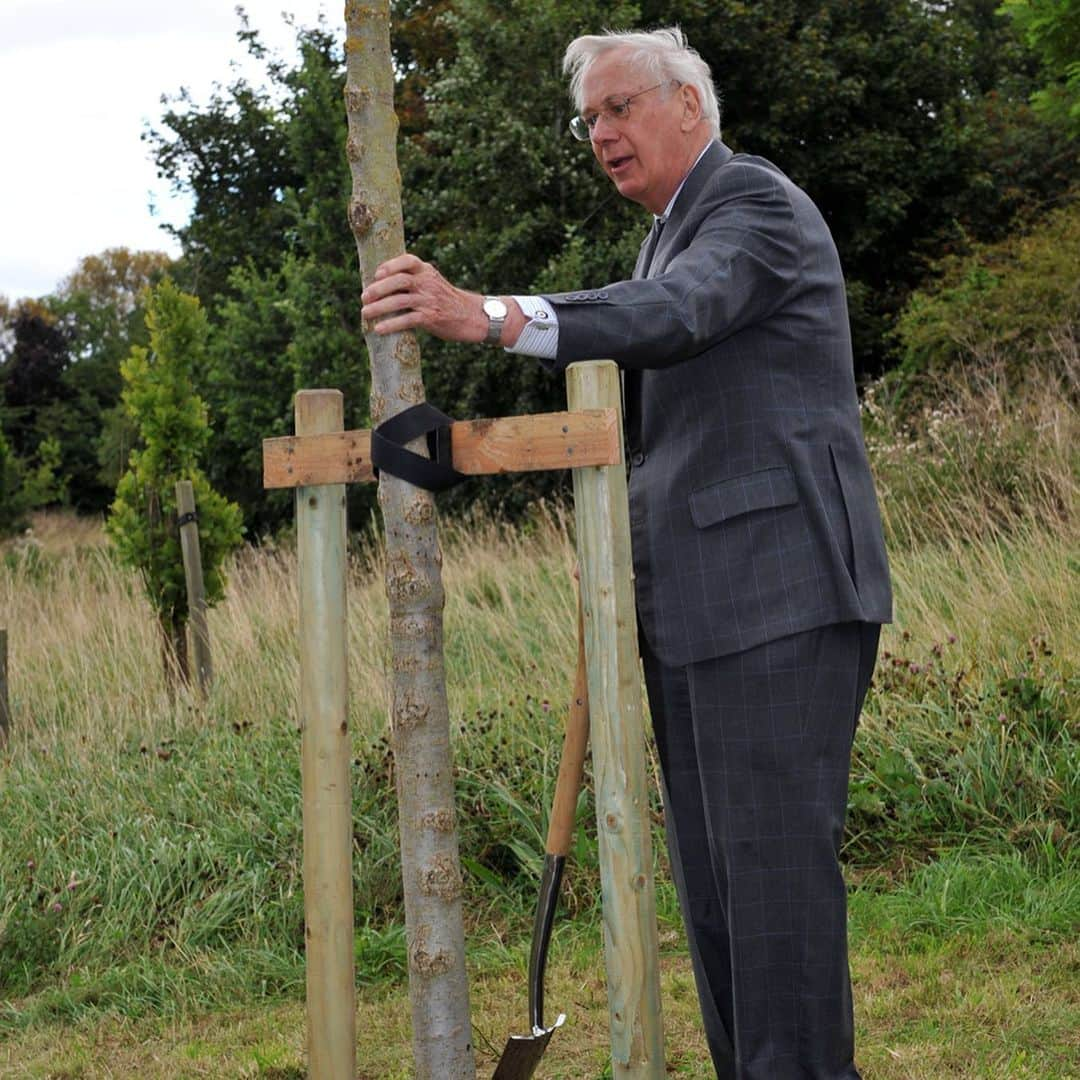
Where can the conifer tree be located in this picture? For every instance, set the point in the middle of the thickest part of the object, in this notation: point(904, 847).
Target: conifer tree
point(173, 430)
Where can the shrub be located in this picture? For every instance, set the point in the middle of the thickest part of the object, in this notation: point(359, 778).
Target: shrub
point(1012, 305)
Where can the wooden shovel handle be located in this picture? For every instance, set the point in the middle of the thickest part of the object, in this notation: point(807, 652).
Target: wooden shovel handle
point(572, 765)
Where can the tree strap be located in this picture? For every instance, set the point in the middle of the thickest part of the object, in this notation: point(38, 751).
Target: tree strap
point(389, 439)
point(187, 519)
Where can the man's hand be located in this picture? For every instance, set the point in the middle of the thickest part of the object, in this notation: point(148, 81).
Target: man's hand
point(410, 294)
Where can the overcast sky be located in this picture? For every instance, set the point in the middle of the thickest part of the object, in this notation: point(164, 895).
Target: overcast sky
point(78, 81)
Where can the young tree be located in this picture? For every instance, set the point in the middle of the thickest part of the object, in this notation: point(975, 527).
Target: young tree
point(420, 721)
point(172, 426)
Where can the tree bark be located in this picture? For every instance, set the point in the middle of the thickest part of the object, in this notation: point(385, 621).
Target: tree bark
point(420, 727)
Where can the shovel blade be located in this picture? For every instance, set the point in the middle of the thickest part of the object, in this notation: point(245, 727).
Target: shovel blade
point(523, 1053)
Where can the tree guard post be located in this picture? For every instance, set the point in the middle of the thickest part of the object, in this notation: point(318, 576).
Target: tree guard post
point(618, 745)
point(193, 577)
point(325, 754)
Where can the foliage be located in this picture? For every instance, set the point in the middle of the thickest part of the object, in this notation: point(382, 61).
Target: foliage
point(1052, 29)
point(43, 485)
point(1015, 303)
point(269, 252)
point(979, 753)
point(60, 369)
point(31, 374)
point(172, 426)
point(100, 306)
point(11, 503)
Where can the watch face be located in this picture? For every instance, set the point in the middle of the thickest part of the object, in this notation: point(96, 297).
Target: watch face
point(494, 309)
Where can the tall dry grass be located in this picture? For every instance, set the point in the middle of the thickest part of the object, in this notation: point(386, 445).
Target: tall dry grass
point(974, 452)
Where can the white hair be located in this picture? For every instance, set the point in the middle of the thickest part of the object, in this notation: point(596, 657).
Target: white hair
point(663, 54)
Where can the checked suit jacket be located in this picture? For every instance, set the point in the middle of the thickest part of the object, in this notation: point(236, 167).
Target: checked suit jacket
point(752, 509)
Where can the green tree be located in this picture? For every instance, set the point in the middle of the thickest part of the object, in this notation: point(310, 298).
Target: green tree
point(31, 374)
point(173, 431)
point(60, 369)
point(1052, 29)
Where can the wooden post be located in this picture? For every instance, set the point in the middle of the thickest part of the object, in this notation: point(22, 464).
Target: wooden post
point(618, 746)
point(193, 575)
point(5, 702)
point(328, 905)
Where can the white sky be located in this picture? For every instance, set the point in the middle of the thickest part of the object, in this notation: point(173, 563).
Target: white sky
point(78, 81)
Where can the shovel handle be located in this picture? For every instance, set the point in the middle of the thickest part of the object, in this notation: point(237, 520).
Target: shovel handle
point(572, 765)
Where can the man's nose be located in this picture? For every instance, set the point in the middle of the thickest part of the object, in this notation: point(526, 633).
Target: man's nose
point(603, 130)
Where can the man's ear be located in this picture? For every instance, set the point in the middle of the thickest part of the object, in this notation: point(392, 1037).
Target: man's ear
point(691, 100)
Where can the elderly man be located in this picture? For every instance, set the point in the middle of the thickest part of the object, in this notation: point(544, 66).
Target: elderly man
point(761, 578)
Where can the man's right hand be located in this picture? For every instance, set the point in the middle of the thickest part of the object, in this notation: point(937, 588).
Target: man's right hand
point(410, 294)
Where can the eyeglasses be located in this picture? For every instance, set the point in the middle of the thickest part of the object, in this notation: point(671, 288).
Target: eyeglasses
point(614, 111)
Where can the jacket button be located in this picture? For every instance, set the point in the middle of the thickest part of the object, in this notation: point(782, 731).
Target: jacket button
point(638, 459)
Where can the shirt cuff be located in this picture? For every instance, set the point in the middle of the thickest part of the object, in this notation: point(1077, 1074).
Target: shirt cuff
point(540, 337)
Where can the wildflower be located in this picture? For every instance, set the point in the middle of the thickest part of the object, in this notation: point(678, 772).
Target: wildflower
point(545, 705)
point(56, 906)
point(1002, 718)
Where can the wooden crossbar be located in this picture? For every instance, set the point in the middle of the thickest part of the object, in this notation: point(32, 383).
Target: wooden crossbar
point(563, 440)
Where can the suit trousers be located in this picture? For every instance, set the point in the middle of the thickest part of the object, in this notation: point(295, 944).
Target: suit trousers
point(755, 752)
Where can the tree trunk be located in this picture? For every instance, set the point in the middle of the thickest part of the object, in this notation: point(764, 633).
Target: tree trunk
point(430, 867)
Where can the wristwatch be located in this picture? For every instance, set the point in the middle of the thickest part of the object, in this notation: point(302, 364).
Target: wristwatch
point(496, 312)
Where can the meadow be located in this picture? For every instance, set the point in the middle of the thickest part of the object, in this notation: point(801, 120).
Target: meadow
point(151, 908)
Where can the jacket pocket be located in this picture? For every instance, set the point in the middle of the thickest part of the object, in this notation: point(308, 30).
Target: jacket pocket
point(766, 489)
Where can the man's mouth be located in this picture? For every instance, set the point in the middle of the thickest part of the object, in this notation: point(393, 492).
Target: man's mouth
point(617, 165)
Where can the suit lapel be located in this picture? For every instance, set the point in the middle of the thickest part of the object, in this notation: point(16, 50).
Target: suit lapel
point(660, 246)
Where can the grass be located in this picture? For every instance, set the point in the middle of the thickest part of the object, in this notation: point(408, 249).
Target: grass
point(151, 910)
point(984, 1001)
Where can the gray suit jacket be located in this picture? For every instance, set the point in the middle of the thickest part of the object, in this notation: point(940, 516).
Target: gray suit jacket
point(752, 509)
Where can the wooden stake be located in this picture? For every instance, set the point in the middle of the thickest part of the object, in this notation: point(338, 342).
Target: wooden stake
point(328, 905)
point(618, 746)
point(193, 575)
point(5, 703)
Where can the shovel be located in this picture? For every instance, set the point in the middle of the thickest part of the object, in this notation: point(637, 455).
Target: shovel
point(523, 1052)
